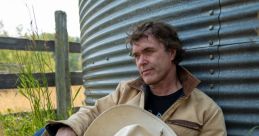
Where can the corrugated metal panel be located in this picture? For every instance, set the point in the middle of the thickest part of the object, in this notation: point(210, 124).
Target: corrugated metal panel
point(220, 36)
point(239, 65)
point(239, 21)
point(239, 87)
point(205, 67)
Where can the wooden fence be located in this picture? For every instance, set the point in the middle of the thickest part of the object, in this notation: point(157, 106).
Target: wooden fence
point(62, 78)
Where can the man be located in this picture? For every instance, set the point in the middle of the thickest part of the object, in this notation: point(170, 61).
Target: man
point(164, 88)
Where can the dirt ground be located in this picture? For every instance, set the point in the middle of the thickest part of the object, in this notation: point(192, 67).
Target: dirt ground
point(11, 100)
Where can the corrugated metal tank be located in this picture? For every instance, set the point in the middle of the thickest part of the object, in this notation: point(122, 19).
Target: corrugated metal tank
point(220, 37)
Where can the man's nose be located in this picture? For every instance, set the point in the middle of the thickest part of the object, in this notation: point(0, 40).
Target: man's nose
point(142, 60)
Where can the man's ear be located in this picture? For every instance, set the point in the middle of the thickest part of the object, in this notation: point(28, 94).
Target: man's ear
point(173, 54)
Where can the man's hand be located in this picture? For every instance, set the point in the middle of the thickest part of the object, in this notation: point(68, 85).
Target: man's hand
point(65, 131)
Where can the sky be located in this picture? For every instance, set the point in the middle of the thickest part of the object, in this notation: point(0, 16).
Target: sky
point(20, 12)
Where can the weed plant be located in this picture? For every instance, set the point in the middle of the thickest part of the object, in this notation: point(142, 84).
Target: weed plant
point(36, 90)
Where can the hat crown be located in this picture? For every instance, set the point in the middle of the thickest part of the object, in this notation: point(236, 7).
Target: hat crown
point(127, 120)
point(133, 130)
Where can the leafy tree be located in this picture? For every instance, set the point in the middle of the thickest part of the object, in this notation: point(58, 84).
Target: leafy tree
point(3, 33)
point(19, 30)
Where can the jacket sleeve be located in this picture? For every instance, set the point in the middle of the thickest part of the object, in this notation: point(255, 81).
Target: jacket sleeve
point(80, 121)
point(215, 124)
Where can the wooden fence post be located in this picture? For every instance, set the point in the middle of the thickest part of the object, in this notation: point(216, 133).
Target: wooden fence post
point(62, 76)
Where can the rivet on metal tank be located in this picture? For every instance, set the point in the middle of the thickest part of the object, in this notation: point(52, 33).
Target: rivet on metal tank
point(212, 71)
point(210, 42)
point(211, 12)
point(212, 86)
point(211, 56)
point(211, 27)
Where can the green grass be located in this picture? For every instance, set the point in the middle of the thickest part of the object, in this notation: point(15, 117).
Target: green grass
point(17, 124)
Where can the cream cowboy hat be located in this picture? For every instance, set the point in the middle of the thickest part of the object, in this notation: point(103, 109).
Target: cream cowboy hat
point(128, 120)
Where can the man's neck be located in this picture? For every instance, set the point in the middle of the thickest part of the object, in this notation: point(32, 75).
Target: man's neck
point(169, 85)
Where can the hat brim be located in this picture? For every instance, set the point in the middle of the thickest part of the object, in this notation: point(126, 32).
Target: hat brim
point(115, 118)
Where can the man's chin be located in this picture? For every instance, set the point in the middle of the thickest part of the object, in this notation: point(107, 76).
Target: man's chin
point(148, 81)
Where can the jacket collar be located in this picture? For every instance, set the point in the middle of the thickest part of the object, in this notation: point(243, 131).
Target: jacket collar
point(189, 81)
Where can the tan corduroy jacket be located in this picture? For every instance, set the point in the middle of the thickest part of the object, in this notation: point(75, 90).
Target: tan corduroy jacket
point(194, 114)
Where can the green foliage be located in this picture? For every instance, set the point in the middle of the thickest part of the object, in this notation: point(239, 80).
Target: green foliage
point(8, 57)
point(8, 62)
point(3, 33)
point(17, 124)
point(51, 36)
point(36, 89)
point(75, 62)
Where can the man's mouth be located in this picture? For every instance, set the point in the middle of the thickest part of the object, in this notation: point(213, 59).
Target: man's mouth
point(146, 71)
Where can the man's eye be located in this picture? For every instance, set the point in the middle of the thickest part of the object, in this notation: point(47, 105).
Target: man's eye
point(136, 56)
point(149, 51)
point(133, 55)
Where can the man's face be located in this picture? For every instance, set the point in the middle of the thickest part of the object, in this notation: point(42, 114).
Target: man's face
point(153, 61)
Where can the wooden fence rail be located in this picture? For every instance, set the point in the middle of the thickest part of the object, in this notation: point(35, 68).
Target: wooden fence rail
point(10, 81)
point(9, 43)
